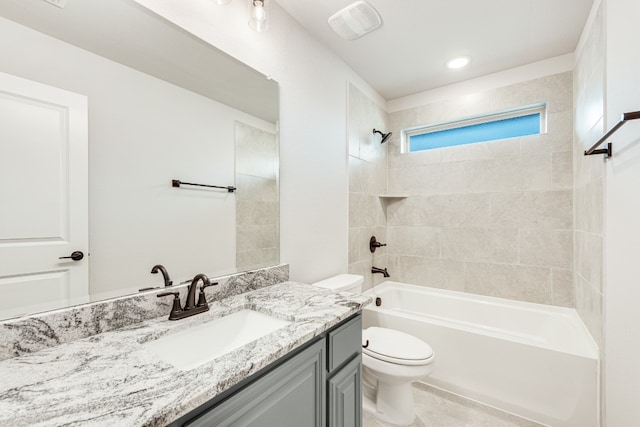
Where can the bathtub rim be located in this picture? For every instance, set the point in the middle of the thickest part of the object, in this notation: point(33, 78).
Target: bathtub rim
point(588, 346)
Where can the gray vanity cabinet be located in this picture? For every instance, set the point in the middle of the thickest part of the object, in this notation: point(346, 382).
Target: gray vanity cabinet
point(316, 387)
point(345, 397)
point(290, 395)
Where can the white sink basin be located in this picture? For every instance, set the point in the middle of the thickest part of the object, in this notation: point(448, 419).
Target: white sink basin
point(189, 348)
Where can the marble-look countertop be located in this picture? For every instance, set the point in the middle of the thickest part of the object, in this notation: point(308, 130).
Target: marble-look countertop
point(111, 379)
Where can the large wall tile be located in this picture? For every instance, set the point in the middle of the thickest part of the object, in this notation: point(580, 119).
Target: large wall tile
point(562, 170)
point(257, 212)
point(589, 259)
point(256, 237)
point(589, 106)
point(531, 172)
point(542, 209)
point(495, 175)
point(531, 284)
point(536, 171)
point(546, 248)
point(589, 200)
point(398, 159)
point(256, 188)
point(363, 209)
point(453, 109)
point(443, 178)
point(458, 210)
point(485, 151)
point(362, 176)
point(414, 241)
point(562, 287)
point(363, 268)
point(353, 136)
point(554, 90)
point(589, 306)
point(444, 274)
point(480, 244)
point(403, 119)
point(356, 237)
point(558, 91)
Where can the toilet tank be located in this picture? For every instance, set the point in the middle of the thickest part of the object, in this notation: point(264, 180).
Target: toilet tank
point(343, 282)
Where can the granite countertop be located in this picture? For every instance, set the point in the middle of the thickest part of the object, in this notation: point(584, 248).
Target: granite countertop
point(111, 379)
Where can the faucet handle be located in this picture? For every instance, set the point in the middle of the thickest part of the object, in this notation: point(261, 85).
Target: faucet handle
point(374, 244)
point(202, 299)
point(177, 308)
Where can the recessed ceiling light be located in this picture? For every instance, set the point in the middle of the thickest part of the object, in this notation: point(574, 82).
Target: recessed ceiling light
point(459, 62)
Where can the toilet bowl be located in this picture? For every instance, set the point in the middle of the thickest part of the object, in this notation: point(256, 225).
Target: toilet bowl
point(391, 361)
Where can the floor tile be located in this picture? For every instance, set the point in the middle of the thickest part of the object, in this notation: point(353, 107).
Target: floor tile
point(437, 408)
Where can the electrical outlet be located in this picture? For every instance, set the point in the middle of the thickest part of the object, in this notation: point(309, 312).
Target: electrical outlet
point(58, 3)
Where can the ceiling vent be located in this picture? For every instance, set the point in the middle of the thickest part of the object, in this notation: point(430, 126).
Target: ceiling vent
point(59, 3)
point(355, 20)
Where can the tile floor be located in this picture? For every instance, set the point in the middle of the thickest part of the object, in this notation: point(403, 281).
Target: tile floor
point(437, 408)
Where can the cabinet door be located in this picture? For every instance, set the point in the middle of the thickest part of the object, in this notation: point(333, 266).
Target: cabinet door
point(345, 341)
point(292, 395)
point(345, 398)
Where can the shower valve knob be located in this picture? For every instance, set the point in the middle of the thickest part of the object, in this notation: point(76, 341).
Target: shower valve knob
point(374, 244)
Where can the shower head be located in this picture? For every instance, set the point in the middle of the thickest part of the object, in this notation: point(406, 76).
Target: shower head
point(384, 136)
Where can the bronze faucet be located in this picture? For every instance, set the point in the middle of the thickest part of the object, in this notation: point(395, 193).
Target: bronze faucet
point(165, 274)
point(190, 306)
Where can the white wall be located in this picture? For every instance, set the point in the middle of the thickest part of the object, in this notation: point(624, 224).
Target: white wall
point(143, 132)
point(313, 147)
point(622, 218)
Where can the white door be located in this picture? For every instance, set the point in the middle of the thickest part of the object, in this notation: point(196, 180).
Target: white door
point(43, 197)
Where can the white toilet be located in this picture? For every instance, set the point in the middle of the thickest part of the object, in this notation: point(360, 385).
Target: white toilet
point(391, 361)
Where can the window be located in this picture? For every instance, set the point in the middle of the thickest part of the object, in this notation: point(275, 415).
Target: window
point(523, 121)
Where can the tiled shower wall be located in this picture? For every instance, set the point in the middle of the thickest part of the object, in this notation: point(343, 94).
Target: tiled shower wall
point(257, 198)
point(367, 179)
point(490, 218)
point(589, 81)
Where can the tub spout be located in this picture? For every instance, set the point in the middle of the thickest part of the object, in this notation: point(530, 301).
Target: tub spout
point(380, 270)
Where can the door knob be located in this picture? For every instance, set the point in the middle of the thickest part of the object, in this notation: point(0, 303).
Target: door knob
point(75, 255)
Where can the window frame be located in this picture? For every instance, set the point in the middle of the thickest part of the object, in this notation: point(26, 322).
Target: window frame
point(406, 134)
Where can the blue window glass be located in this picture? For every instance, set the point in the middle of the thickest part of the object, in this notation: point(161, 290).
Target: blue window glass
point(499, 129)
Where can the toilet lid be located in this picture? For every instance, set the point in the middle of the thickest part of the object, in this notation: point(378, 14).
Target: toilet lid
point(395, 346)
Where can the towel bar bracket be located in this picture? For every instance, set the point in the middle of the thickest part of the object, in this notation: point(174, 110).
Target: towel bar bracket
point(624, 118)
point(608, 151)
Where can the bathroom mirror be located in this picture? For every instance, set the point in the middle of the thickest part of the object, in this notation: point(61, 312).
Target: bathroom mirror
point(153, 104)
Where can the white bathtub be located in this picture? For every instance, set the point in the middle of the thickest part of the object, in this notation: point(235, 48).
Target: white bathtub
point(533, 360)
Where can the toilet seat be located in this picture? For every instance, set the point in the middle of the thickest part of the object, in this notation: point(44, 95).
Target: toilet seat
point(396, 347)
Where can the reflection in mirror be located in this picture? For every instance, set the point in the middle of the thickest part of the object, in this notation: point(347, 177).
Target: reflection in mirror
point(257, 205)
point(102, 104)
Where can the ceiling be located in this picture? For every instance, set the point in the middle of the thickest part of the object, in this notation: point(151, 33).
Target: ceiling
point(407, 54)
